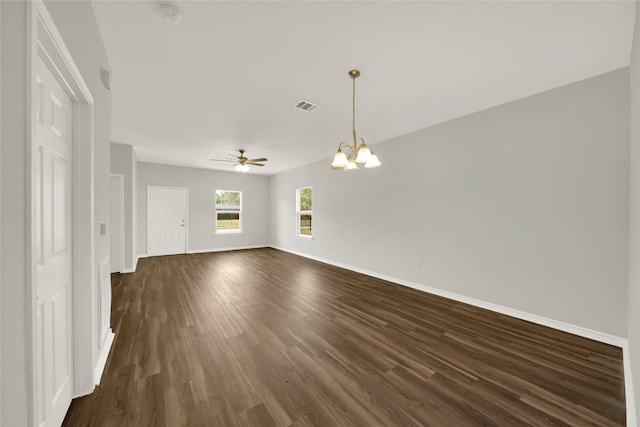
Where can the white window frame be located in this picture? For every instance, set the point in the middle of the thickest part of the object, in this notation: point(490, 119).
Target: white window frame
point(299, 213)
point(224, 230)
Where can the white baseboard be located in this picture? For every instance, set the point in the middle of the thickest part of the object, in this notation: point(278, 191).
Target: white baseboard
point(237, 248)
point(204, 251)
point(623, 343)
point(534, 318)
point(632, 419)
point(102, 357)
point(133, 269)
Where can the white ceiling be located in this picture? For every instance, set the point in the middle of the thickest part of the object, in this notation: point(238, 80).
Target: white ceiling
point(229, 74)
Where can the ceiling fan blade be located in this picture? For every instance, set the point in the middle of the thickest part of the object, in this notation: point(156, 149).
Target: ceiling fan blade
point(254, 164)
point(262, 159)
point(223, 160)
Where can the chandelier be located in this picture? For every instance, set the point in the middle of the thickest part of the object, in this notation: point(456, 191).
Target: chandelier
point(349, 155)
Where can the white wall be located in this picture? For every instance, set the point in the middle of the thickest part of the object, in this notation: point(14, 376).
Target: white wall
point(202, 185)
point(634, 232)
point(123, 161)
point(0, 207)
point(524, 205)
point(13, 213)
point(79, 29)
point(134, 225)
point(76, 23)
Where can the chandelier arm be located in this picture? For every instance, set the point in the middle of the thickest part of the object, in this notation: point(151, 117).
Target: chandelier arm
point(347, 145)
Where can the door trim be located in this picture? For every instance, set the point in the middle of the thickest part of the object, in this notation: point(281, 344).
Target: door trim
point(120, 177)
point(186, 214)
point(44, 41)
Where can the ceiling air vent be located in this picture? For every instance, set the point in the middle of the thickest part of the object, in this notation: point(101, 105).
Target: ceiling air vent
point(306, 106)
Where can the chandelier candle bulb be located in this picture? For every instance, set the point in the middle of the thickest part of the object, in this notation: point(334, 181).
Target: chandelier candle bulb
point(354, 153)
point(364, 154)
point(373, 161)
point(340, 160)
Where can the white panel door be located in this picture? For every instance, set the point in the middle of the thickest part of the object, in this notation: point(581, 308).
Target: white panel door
point(166, 220)
point(117, 223)
point(53, 248)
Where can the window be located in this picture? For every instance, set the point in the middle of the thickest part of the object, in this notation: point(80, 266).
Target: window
point(304, 202)
point(228, 211)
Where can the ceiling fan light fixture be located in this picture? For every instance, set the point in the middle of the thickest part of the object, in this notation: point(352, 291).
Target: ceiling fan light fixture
point(355, 153)
point(242, 162)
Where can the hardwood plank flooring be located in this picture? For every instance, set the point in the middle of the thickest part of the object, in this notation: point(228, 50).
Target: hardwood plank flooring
point(265, 338)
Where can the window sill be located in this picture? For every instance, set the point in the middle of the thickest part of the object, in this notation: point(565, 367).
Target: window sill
point(228, 231)
point(304, 236)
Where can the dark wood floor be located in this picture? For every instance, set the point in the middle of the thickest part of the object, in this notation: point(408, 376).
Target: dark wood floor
point(266, 338)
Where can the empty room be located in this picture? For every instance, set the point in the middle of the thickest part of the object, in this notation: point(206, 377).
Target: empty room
point(319, 213)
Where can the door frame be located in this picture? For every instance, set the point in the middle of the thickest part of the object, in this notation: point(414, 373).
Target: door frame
point(44, 41)
point(186, 213)
point(120, 177)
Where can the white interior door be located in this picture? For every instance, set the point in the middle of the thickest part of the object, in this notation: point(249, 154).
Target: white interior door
point(53, 248)
point(166, 224)
point(117, 223)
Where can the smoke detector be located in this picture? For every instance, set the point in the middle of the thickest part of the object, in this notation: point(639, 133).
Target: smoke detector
point(169, 11)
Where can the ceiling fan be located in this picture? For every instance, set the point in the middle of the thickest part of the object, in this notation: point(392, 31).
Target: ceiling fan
point(242, 162)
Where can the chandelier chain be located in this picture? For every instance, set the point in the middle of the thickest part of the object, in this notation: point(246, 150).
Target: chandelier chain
point(353, 105)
